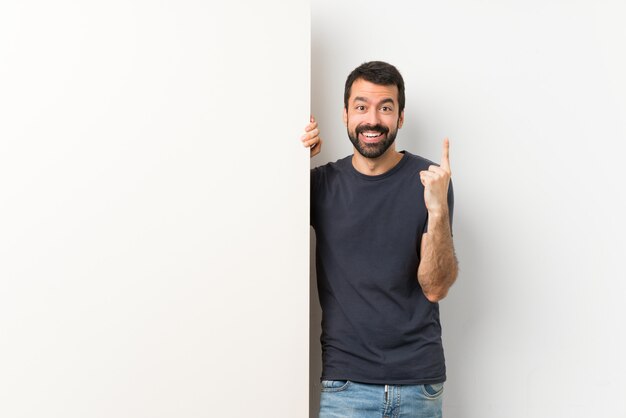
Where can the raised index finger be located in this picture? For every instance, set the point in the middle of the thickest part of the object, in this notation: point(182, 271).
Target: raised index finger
point(445, 155)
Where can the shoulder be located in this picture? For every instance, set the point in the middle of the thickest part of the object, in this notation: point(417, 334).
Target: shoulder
point(328, 171)
point(332, 166)
point(420, 163)
point(413, 164)
point(417, 162)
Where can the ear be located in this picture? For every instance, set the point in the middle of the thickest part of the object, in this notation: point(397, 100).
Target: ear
point(345, 116)
point(401, 119)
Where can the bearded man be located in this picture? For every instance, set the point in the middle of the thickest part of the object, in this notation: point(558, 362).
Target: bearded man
point(385, 258)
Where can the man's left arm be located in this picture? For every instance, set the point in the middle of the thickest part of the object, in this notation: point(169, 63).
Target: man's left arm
point(438, 266)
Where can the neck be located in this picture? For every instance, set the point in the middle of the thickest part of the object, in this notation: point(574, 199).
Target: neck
point(376, 166)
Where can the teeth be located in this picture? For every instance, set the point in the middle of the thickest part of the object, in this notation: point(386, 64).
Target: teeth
point(372, 135)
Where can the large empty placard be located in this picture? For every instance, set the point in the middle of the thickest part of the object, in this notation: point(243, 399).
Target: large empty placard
point(154, 209)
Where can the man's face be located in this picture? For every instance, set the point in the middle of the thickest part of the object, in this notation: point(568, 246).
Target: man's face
point(372, 117)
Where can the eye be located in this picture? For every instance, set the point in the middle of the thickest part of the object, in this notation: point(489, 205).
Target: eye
point(360, 107)
point(386, 109)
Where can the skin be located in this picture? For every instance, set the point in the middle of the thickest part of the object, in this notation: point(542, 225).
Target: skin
point(372, 104)
point(311, 137)
point(438, 266)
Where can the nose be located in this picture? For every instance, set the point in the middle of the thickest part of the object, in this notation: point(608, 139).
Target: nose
point(372, 116)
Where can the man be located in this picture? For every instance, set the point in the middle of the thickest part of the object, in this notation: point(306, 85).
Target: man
point(385, 257)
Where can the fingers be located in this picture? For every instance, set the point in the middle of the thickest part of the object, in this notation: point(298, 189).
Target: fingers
point(445, 155)
point(312, 125)
point(310, 138)
point(437, 170)
point(310, 142)
point(315, 149)
point(310, 131)
point(428, 176)
point(432, 175)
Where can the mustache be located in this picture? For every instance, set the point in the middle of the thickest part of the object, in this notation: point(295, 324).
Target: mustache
point(378, 128)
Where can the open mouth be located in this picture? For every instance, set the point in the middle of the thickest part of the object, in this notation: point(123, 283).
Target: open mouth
point(371, 136)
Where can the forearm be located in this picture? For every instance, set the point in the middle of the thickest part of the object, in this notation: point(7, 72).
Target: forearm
point(438, 266)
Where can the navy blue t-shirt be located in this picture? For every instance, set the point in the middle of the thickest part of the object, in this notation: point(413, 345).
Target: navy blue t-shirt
point(377, 325)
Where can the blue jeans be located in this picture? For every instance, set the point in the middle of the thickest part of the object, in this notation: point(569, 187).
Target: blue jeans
point(348, 399)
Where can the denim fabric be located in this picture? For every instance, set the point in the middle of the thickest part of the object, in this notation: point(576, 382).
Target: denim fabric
point(347, 399)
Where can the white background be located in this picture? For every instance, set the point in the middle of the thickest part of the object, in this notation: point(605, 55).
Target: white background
point(532, 95)
point(153, 209)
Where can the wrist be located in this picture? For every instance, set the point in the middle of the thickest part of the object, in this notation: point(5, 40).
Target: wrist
point(438, 213)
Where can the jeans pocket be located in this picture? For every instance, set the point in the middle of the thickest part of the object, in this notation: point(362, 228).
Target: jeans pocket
point(334, 385)
point(433, 391)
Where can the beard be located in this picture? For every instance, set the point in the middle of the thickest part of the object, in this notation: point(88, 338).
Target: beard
point(372, 150)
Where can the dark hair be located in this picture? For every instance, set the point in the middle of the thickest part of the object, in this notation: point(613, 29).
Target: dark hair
point(377, 72)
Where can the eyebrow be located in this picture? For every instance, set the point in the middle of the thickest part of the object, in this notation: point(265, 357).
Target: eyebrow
point(364, 99)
